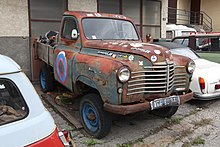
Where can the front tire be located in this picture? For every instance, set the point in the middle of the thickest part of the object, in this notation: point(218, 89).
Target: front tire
point(165, 112)
point(96, 121)
point(46, 79)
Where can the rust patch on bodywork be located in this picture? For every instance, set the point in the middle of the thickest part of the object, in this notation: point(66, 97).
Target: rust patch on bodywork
point(103, 65)
point(181, 60)
point(136, 47)
point(141, 106)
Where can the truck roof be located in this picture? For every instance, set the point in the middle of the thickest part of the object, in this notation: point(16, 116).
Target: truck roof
point(8, 65)
point(83, 14)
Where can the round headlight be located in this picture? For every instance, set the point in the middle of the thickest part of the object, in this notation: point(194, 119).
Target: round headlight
point(191, 67)
point(123, 74)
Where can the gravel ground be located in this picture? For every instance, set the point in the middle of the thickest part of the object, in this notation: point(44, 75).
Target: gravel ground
point(196, 123)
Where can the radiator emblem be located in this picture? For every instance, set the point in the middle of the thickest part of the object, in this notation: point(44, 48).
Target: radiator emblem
point(153, 58)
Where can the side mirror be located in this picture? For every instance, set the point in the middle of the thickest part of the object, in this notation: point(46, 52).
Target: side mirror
point(74, 34)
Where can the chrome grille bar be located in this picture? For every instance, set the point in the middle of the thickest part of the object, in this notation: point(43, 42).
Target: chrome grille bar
point(146, 84)
point(159, 78)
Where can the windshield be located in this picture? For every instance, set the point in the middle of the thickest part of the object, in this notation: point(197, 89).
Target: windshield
point(185, 52)
point(109, 29)
point(184, 42)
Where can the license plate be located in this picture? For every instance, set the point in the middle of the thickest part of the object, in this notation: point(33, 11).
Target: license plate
point(165, 102)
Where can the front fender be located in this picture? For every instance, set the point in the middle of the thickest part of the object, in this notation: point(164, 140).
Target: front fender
point(87, 81)
point(100, 74)
point(181, 60)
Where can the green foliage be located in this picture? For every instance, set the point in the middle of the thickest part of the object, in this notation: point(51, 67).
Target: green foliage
point(91, 142)
point(197, 141)
point(186, 144)
point(183, 134)
point(203, 122)
point(175, 120)
point(124, 145)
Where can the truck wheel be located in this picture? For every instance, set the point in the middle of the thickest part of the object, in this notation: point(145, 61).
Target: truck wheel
point(46, 79)
point(165, 112)
point(96, 121)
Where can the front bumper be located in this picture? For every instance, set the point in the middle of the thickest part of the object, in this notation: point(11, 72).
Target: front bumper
point(132, 108)
point(209, 96)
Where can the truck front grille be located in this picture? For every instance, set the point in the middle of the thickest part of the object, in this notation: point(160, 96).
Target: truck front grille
point(159, 78)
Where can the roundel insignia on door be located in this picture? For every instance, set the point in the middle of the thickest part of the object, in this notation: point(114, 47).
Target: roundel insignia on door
point(61, 67)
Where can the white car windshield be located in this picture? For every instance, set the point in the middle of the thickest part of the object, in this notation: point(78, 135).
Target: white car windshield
point(185, 52)
point(109, 29)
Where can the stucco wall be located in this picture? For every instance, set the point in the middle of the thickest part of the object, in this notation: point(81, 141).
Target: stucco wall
point(18, 49)
point(211, 7)
point(14, 32)
point(14, 18)
point(82, 5)
point(164, 17)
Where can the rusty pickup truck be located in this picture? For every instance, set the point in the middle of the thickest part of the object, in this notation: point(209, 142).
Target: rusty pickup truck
point(102, 57)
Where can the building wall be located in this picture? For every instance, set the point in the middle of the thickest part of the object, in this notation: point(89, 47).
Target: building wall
point(183, 5)
point(211, 7)
point(14, 18)
point(164, 16)
point(14, 32)
point(18, 49)
point(82, 5)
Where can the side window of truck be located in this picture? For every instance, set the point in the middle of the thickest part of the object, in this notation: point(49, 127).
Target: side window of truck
point(68, 25)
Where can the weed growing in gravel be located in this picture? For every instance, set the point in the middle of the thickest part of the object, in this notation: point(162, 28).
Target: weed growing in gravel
point(198, 140)
point(195, 142)
point(186, 144)
point(183, 134)
point(202, 122)
point(174, 120)
point(123, 145)
point(91, 142)
point(192, 112)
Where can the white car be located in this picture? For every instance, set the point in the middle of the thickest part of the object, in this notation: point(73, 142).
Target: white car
point(206, 78)
point(24, 121)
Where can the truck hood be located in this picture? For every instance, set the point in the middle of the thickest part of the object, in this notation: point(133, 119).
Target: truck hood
point(208, 70)
point(153, 53)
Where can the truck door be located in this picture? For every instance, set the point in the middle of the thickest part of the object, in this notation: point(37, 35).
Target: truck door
point(67, 49)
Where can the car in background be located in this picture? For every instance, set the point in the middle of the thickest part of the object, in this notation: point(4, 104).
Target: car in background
point(206, 79)
point(24, 121)
point(202, 42)
point(173, 30)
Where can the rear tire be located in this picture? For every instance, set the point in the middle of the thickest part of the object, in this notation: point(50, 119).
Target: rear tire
point(46, 79)
point(165, 112)
point(96, 121)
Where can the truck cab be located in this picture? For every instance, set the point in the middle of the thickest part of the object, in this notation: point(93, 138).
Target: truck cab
point(102, 57)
